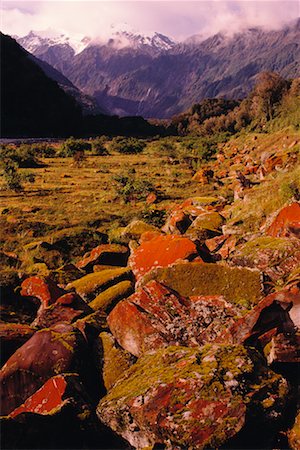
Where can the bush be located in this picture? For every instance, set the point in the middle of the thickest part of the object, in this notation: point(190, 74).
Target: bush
point(154, 216)
point(98, 146)
point(12, 178)
point(130, 188)
point(127, 146)
point(71, 146)
point(23, 156)
point(79, 158)
point(43, 150)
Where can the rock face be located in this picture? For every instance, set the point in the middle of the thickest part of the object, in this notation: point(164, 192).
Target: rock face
point(192, 398)
point(238, 285)
point(155, 316)
point(160, 252)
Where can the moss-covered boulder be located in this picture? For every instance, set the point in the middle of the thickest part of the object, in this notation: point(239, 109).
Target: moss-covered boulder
point(238, 285)
point(135, 229)
point(41, 252)
point(115, 360)
point(276, 257)
point(192, 398)
point(206, 226)
point(93, 284)
point(107, 299)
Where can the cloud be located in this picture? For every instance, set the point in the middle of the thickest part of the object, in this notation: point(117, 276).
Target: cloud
point(178, 19)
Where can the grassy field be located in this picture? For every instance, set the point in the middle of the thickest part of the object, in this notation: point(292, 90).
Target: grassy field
point(64, 195)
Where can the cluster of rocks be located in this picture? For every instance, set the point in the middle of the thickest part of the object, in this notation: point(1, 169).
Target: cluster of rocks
point(173, 337)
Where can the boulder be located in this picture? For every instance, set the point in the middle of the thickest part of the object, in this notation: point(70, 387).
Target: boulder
point(65, 309)
point(192, 398)
point(107, 299)
point(135, 229)
point(47, 353)
point(287, 222)
point(205, 226)
point(276, 257)
point(238, 285)
point(89, 286)
point(283, 348)
point(272, 312)
point(156, 316)
point(42, 288)
point(107, 254)
point(161, 251)
point(115, 360)
point(13, 335)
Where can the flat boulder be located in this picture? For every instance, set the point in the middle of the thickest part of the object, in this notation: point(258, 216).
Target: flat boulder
point(136, 228)
point(161, 251)
point(192, 398)
point(238, 285)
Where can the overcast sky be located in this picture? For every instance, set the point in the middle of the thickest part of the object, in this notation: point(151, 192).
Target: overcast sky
point(178, 19)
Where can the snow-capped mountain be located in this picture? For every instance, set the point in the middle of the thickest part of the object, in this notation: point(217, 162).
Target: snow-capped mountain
point(38, 42)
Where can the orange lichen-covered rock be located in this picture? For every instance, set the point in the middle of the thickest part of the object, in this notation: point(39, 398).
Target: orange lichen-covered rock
point(46, 399)
point(161, 251)
point(193, 397)
point(47, 353)
point(45, 289)
point(155, 316)
point(107, 254)
point(286, 222)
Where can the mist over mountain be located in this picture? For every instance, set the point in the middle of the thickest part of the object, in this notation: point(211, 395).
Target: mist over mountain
point(152, 76)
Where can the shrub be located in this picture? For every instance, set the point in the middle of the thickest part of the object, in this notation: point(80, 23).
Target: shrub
point(12, 178)
point(23, 156)
point(127, 146)
point(43, 150)
point(130, 188)
point(154, 216)
point(98, 146)
point(71, 146)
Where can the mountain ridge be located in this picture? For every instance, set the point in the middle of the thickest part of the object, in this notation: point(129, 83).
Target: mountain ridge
point(160, 83)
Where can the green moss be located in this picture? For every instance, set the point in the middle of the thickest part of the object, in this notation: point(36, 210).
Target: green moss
point(92, 284)
point(238, 285)
point(115, 360)
point(108, 298)
point(209, 370)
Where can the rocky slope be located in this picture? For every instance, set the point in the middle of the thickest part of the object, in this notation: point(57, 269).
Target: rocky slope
point(154, 77)
point(185, 336)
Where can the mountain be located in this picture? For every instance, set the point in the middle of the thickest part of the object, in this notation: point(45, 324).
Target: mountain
point(152, 76)
point(32, 104)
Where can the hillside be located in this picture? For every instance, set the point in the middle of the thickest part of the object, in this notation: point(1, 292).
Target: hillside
point(31, 103)
point(160, 81)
